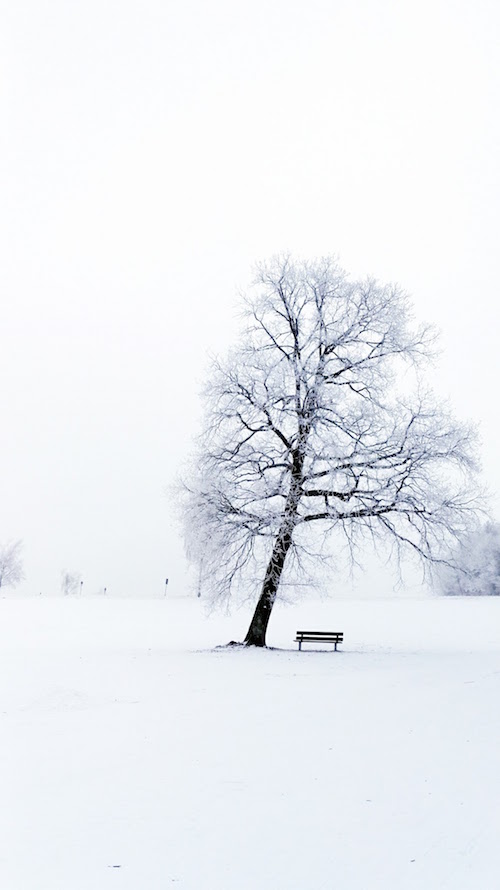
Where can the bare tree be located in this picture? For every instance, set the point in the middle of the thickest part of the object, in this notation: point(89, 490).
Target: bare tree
point(474, 567)
point(11, 564)
point(308, 427)
point(71, 583)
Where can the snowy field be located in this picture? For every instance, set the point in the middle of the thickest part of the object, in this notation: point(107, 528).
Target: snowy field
point(136, 756)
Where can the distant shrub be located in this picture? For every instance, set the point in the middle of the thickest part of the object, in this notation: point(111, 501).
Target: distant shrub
point(476, 565)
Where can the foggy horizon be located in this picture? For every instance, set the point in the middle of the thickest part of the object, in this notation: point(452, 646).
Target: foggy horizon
point(152, 153)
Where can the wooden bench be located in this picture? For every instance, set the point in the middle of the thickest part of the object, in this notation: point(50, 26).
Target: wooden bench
point(319, 636)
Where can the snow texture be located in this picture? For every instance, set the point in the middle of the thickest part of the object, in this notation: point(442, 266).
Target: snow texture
point(135, 754)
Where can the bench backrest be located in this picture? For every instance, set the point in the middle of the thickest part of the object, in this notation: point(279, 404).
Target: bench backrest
point(321, 635)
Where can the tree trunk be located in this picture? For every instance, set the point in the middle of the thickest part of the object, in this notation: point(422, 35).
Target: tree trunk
point(256, 635)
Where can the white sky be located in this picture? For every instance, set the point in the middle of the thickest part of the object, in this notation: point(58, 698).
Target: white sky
point(150, 152)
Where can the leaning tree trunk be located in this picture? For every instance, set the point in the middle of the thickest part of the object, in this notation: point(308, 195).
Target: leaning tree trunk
point(256, 635)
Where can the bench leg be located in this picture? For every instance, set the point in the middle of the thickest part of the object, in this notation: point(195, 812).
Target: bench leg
point(300, 645)
point(335, 647)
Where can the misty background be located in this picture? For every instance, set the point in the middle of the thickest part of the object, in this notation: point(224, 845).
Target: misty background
point(150, 153)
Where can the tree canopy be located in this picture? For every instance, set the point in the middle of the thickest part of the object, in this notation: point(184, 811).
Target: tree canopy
point(310, 427)
point(11, 564)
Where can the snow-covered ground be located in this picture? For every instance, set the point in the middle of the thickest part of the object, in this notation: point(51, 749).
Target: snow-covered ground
point(135, 755)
